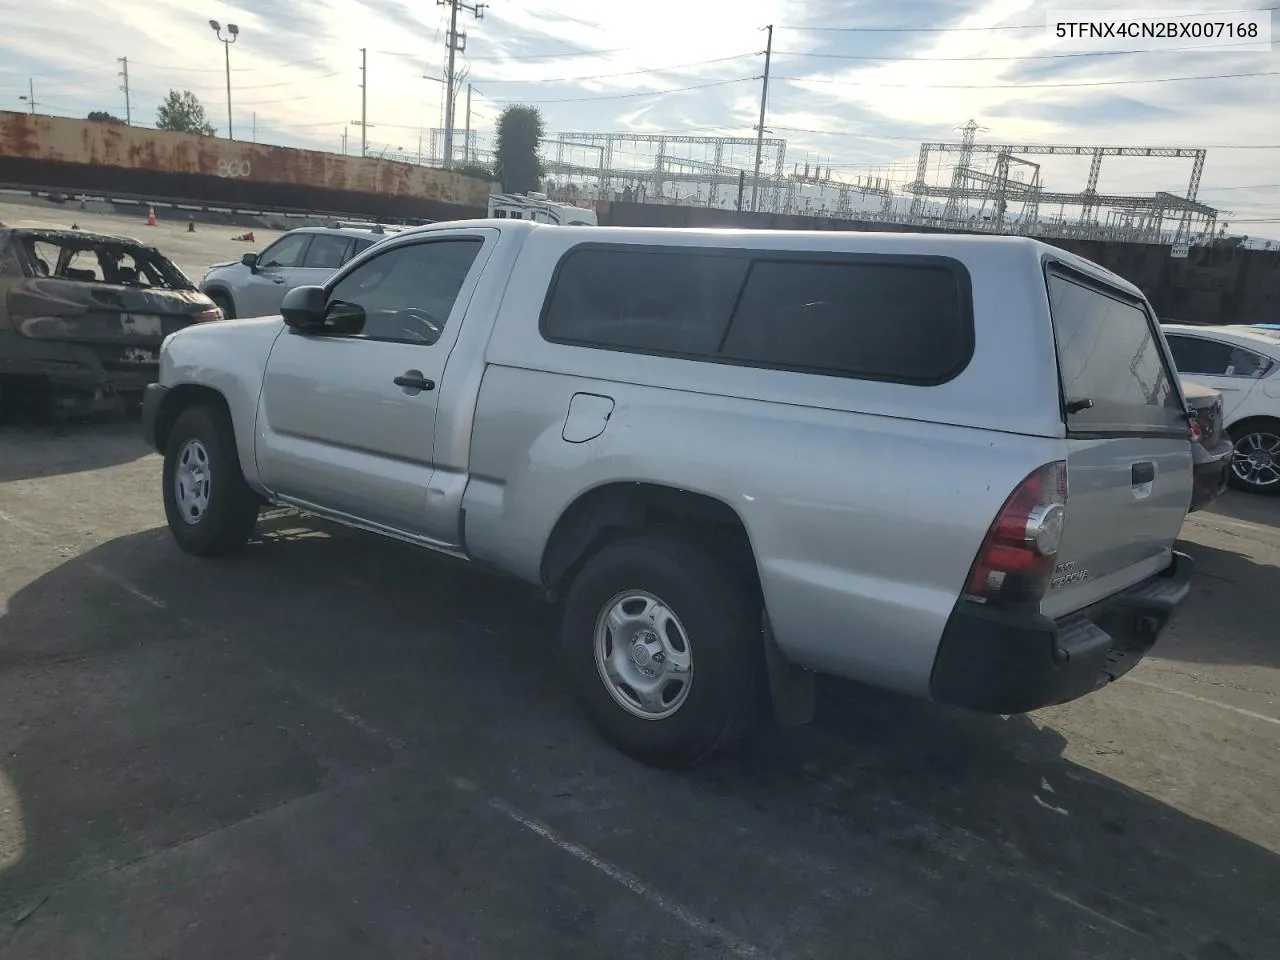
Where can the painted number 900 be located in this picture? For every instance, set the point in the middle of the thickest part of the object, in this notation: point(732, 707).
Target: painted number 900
point(233, 168)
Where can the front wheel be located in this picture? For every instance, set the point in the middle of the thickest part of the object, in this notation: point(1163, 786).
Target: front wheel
point(210, 508)
point(224, 303)
point(663, 646)
point(1255, 467)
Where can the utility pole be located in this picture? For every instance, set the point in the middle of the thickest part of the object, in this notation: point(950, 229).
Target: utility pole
point(31, 95)
point(466, 144)
point(364, 101)
point(128, 115)
point(255, 127)
point(764, 97)
point(344, 141)
point(456, 42)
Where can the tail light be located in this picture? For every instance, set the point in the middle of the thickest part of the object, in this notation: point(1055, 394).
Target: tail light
point(207, 316)
point(1197, 430)
point(1018, 555)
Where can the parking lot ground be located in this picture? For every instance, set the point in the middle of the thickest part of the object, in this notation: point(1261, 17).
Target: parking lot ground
point(335, 746)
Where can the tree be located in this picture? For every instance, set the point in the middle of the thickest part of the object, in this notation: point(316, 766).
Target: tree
point(473, 169)
point(516, 163)
point(183, 112)
point(101, 116)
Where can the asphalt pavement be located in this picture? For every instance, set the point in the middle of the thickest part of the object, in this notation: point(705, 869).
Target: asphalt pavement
point(337, 746)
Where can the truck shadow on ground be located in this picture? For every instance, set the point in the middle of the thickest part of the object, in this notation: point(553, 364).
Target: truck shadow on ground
point(1231, 615)
point(149, 697)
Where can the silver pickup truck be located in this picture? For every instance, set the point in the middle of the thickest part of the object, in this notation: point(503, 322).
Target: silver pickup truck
point(952, 466)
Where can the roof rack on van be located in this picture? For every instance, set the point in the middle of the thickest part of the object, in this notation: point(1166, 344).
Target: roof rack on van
point(363, 225)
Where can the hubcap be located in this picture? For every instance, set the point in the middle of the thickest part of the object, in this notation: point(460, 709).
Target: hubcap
point(191, 481)
point(1257, 459)
point(643, 655)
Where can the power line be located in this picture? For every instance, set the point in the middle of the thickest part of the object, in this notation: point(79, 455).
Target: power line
point(512, 56)
point(1030, 143)
point(273, 66)
point(1036, 56)
point(1025, 86)
point(629, 73)
point(628, 96)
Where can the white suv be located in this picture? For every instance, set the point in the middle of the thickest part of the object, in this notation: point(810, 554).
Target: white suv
point(1243, 363)
point(254, 285)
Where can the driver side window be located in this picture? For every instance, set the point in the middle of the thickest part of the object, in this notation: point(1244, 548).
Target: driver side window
point(405, 295)
point(285, 252)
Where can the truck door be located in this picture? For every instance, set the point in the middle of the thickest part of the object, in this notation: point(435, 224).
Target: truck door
point(346, 418)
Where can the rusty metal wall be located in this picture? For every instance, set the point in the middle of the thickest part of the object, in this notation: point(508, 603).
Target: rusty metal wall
point(1212, 285)
point(37, 150)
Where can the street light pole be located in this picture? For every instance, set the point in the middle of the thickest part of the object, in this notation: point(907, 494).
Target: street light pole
point(234, 32)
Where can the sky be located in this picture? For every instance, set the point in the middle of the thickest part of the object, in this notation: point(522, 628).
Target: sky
point(856, 85)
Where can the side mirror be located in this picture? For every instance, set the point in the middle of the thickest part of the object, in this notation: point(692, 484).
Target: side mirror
point(250, 260)
point(303, 308)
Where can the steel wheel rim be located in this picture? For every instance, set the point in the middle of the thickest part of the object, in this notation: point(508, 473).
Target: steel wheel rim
point(643, 655)
point(1257, 459)
point(192, 479)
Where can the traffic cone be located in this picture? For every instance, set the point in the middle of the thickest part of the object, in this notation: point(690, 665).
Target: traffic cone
point(151, 216)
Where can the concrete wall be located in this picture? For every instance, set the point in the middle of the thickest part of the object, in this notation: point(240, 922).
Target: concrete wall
point(1212, 285)
point(37, 150)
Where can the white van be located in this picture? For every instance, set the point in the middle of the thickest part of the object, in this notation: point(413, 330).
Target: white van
point(536, 207)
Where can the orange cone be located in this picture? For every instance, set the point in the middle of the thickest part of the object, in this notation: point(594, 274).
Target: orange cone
point(151, 216)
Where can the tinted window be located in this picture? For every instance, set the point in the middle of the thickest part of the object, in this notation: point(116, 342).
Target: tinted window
point(1108, 356)
point(406, 294)
point(877, 319)
point(643, 299)
point(899, 322)
point(326, 252)
point(1196, 355)
point(285, 252)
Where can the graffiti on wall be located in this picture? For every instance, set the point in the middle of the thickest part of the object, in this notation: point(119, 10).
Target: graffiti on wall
point(233, 169)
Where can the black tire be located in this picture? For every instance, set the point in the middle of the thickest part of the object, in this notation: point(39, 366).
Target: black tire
point(722, 622)
point(232, 510)
point(224, 303)
point(1240, 434)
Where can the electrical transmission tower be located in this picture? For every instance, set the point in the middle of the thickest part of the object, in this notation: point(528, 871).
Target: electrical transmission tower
point(456, 42)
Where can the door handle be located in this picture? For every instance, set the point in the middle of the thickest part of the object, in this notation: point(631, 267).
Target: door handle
point(414, 380)
point(1141, 473)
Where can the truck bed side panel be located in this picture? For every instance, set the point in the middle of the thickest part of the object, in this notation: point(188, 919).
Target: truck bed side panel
point(825, 497)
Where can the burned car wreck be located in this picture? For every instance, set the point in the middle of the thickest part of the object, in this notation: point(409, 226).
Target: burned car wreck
point(82, 314)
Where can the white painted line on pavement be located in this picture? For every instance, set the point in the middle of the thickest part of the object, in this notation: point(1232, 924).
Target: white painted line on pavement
point(739, 948)
point(1205, 700)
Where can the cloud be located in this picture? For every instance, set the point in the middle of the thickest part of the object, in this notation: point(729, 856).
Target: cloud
point(296, 64)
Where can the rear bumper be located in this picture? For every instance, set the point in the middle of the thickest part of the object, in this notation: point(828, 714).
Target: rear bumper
point(1210, 473)
point(1012, 661)
point(152, 399)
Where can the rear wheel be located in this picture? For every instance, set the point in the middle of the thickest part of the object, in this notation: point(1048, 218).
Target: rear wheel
point(210, 508)
point(663, 646)
point(1256, 464)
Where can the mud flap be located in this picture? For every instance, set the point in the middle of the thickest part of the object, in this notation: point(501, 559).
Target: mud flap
point(792, 689)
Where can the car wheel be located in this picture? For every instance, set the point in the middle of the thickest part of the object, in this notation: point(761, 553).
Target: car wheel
point(1255, 467)
point(210, 508)
point(224, 303)
point(663, 646)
